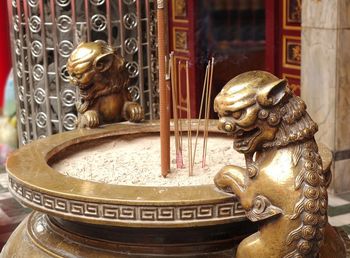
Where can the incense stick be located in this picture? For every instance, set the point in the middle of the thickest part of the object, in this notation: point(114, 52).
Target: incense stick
point(209, 86)
point(200, 112)
point(179, 160)
point(180, 115)
point(205, 114)
point(189, 129)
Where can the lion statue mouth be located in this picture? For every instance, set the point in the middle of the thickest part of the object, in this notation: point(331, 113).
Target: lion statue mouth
point(84, 86)
point(243, 138)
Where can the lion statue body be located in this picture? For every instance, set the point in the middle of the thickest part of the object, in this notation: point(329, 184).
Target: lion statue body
point(284, 185)
point(100, 74)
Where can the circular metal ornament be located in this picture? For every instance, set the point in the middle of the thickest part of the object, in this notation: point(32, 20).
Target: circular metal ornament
point(133, 69)
point(69, 122)
point(38, 72)
point(154, 63)
point(98, 22)
point(23, 116)
point(259, 205)
point(19, 70)
point(21, 93)
point(68, 98)
point(273, 119)
point(130, 21)
point(64, 74)
point(97, 2)
point(33, 3)
point(65, 48)
point(134, 92)
point(16, 22)
point(131, 46)
point(252, 170)
point(35, 24)
point(63, 3)
point(25, 138)
point(263, 114)
point(18, 47)
point(41, 120)
point(39, 96)
point(36, 48)
point(64, 23)
point(14, 3)
point(129, 2)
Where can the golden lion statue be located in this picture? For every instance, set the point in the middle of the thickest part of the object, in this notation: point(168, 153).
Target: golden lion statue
point(283, 185)
point(100, 74)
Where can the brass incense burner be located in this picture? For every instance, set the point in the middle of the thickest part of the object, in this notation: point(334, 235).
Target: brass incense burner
point(283, 186)
point(78, 218)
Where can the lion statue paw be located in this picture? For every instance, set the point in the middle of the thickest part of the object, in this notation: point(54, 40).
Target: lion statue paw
point(133, 112)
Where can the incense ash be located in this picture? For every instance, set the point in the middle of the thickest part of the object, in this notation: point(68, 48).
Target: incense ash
point(136, 161)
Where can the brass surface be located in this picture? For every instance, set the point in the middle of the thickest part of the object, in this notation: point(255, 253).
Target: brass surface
point(102, 79)
point(39, 186)
point(284, 184)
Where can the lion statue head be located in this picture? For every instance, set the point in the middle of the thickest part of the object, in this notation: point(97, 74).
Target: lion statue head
point(94, 66)
point(260, 111)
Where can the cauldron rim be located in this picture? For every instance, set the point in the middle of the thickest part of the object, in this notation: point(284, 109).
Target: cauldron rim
point(37, 185)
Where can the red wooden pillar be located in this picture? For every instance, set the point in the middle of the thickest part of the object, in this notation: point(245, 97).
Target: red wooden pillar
point(5, 50)
point(272, 35)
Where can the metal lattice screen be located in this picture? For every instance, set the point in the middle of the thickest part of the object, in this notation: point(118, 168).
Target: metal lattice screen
point(44, 33)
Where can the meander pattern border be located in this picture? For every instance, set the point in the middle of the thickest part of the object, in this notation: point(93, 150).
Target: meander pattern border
point(126, 213)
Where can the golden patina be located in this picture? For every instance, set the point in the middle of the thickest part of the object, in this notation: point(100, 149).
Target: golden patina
point(100, 74)
point(283, 184)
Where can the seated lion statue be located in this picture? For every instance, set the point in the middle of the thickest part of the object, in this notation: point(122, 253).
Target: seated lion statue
point(284, 184)
point(102, 79)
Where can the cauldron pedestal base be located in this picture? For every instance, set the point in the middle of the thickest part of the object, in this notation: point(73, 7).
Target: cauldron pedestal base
point(42, 236)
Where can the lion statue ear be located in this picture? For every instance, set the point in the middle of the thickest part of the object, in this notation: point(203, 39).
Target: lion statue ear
point(103, 62)
point(272, 93)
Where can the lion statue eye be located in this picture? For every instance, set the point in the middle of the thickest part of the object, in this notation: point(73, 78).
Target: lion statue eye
point(237, 114)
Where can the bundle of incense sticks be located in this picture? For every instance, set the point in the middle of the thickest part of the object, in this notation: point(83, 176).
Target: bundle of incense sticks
point(205, 104)
point(189, 122)
point(207, 85)
point(177, 122)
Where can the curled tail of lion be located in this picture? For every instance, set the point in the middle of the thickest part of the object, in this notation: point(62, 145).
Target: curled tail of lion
point(311, 209)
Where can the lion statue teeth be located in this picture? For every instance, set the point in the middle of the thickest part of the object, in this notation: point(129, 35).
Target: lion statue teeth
point(102, 79)
point(283, 185)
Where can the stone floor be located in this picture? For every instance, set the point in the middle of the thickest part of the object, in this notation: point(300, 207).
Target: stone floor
point(339, 211)
point(12, 213)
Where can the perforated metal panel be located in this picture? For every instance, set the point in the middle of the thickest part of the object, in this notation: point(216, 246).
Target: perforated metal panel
point(44, 33)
